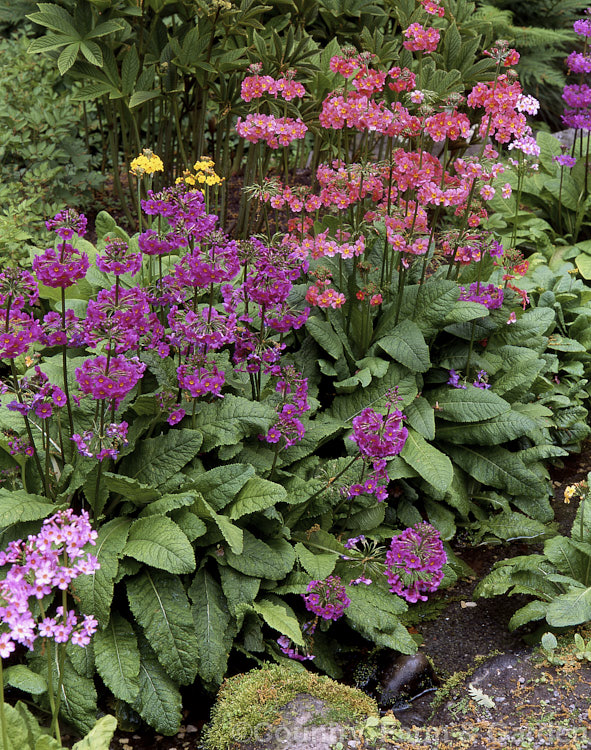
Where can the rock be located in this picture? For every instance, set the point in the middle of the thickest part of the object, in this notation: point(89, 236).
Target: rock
point(405, 678)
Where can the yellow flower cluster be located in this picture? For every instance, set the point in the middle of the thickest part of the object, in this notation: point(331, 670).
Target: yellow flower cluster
point(574, 490)
point(204, 173)
point(146, 163)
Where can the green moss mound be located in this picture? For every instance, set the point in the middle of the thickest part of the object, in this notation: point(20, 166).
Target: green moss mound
point(250, 700)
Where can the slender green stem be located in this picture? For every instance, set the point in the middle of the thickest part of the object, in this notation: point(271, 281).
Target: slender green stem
point(36, 458)
point(2, 716)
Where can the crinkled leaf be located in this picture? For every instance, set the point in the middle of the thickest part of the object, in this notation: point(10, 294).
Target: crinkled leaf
point(159, 701)
point(100, 736)
point(95, 591)
point(212, 621)
point(406, 344)
point(117, 658)
point(238, 588)
point(219, 485)
point(280, 616)
point(535, 610)
point(257, 494)
point(572, 608)
point(160, 605)
point(19, 506)
point(466, 405)
point(167, 503)
point(129, 488)
point(231, 533)
point(374, 613)
point(318, 566)
point(21, 677)
point(272, 559)
point(432, 465)
point(158, 459)
point(229, 420)
point(421, 417)
point(159, 542)
point(507, 426)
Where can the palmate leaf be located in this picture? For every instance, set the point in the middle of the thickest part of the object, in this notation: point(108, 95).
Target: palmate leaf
point(227, 421)
point(117, 658)
point(95, 591)
point(498, 467)
point(158, 459)
point(159, 542)
point(158, 701)
point(160, 605)
point(213, 627)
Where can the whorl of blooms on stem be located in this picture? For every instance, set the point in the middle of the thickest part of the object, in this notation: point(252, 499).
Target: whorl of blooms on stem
point(490, 295)
point(117, 259)
point(275, 131)
point(146, 163)
point(565, 160)
point(67, 223)
point(16, 284)
point(420, 39)
point(53, 333)
point(327, 599)
point(379, 436)
point(109, 379)
point(255, 86)
point(294, 402)
point(38, 395)
point(18, 334)
point(62, 268)
point(414, 562)
point(51, 559)
point(93, 444)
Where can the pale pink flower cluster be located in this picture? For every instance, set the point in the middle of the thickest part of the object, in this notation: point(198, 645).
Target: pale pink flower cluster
point(275, 131)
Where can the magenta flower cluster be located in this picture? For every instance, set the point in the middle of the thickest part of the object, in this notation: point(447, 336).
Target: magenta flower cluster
point(414, 562)
point(294, 402)
point(50, 560)
point(490, 296)
point(93, 444)
point(38, 395)
point(327, 599)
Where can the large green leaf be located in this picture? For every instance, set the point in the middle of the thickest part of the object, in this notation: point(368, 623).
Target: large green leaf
point(95, 591)
point(498, 467)
point(160, 605)
point(227, 421)
point(507, 426)
point(280, 616)
point(159, 701)
point(466, 405)
point(374, 613)
point(17, 506)
point(117, 658)
point(432, 465)
point(213, 628)
point(238, 588)
point(158, 459)
point(219, 485)
point(324, 334)
point(406, 344)
point(318, 566)
point(572, 608)
point(231, 533)
point(567, 557)
point(257, 494)
point(272, 559)
point(22, 678)
point(129, 488)
point(421, 416)
point(159, 542)
point(100, 736)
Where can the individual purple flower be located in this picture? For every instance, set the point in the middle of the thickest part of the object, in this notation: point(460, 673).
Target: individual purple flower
point(117, 258)
point(565, 160)
point(454, 380)
point(414, 562)
point(61, 269)
point(327, 599)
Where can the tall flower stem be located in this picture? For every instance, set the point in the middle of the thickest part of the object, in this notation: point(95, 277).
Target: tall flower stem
point(28, 428)
point(65, 367)
point(2, 716)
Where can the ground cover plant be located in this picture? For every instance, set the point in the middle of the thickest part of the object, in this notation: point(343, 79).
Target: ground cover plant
point(276, 432)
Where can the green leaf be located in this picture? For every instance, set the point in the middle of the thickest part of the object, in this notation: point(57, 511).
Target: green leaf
point(421, 417)
point(168, 503)
point(567, 558)
point(257, 494)
point(584, 265)
point(159, 701)
point(238, 588)
point(19, 676)
point(117, 658)
point(324, 334)
point(432, 465)
point(160, 605)
point(19, 506)
point(407, 345)
point(231, 533)
point(532, 611)
point(16, 730)
point(159, 542)
point(272, 560)
point(212, 621)
point(68, 57)
point(141, 97)
point(227, 421)
point(318, 566)
point(511, 526)
point(374, 613)
point(100, 736)
point(129, 70)
point(466, 405)
point(219, 485)
point(131, 489)
point(95, 591)
point(498, 467)
point(280, 616)
point(158, 459)
point(507, 426)
point(92, 52)
point(572, 608)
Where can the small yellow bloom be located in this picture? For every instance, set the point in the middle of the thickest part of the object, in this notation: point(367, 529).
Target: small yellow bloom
point(146, 163)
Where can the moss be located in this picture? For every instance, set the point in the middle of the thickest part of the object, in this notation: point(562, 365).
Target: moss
point(251, 700)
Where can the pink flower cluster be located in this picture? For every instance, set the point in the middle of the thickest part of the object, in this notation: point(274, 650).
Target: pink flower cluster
point(275, 131)
point(414, 562)
point(327, 599)
point(421, 39)
point(51, 559)
point(294, 402)
point(254, 87)
point(109, 379)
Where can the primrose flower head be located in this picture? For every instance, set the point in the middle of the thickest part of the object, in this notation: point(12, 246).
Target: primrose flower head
point(146, 163)
point(414, 562)
point(327, 599)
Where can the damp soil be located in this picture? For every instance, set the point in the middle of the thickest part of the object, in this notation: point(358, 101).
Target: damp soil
point(534, 704)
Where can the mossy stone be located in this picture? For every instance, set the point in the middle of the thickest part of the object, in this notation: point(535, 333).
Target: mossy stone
point(248, 704)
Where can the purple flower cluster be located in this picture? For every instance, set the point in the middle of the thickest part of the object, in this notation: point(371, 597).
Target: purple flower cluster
point(564, 160)
point(20, 331)
point(109, 379)
point(490, 296)
point(414, 562)
point(327, 599)
point(15, 285)
point(51, 559)
point(117, 258)
point(67, 223)
point(480, 382)
point(38, 395)
point(378, 436)
point(93, 444)
point(577, 97)
point(61, 269)
point(294, 402)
